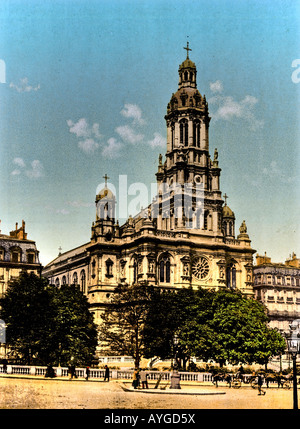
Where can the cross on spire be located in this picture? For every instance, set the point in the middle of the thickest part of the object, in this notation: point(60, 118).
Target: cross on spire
point(225, 196)
point(106, 178)
point(187, 50)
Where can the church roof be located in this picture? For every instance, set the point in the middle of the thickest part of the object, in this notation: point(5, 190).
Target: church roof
point(105, 193)
point(187, 63)
point(227, 212)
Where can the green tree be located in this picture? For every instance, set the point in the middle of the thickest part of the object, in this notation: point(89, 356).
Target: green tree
point(167, 313)
point(48, 325)
point(27, 312)
point(121, 330)
point(233, 328)
point(74, 337)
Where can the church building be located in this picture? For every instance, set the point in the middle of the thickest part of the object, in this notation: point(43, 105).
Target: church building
point(185, 237)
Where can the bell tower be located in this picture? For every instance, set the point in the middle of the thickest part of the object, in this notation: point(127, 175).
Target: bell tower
point(188, 164)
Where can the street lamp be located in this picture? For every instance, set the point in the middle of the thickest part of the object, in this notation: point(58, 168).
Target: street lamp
point(175, 376)
point(293, 344)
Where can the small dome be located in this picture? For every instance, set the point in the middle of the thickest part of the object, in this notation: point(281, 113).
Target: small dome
point(227, 212)
point(105, 193)
point(187, 64)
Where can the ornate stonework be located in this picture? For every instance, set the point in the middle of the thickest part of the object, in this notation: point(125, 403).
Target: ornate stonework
point(185, 237)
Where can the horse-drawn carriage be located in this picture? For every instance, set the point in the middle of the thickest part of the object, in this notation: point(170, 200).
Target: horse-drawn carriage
point(237, 379)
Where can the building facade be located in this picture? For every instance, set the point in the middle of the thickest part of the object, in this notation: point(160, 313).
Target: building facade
point(17, 253)
point(185, 237)
point(277, 286)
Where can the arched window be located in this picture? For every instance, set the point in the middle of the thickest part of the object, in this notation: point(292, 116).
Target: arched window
point(57, 282)
point(109, 264)
point(75, 278)
point(231, 276)
point(196, 133)
point(165, 270)
point(82, 281)
point(184, 132)
point(172, 135)
point(64, 280)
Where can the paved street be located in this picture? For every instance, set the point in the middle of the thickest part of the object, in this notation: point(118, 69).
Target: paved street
point(20, 393)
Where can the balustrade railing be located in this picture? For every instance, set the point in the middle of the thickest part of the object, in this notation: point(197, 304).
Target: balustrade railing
point(98, 373)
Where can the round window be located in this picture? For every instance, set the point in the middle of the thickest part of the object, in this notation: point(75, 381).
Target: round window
point(200, 268)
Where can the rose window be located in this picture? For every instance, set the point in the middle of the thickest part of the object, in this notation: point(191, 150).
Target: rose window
point(200, 268)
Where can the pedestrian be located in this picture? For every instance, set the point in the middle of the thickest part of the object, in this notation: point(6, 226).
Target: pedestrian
point(260, 383)
point(144, 381)
point(135, 379)
point(106, 373)
point(4, 362)
point(87, 373)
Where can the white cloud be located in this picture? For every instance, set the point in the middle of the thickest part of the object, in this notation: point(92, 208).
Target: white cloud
point(15, 172)
point(88, 145)
point(79, 128)
point(229, 109)
point(128, 134)
point(216, 86)
point(158, 141)
point(37, 170)
point(24, 86)
point(89, 135)
point(133, 111)
point(112, 150)
point(19, 161)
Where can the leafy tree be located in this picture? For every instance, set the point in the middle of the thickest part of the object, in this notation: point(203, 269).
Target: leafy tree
point(121, 331)
point(233, 328)
point(167, 312)
point(74, 337)
point(48, 324)
point(27, 312)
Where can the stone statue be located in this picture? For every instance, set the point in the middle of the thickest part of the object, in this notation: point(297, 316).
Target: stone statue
point(243, 228)
point(216, 155)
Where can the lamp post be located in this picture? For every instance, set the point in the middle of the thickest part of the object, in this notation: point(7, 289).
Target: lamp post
point(293, 344)
point(175, 376)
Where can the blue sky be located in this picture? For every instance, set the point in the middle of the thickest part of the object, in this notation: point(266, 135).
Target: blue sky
point(86, 89)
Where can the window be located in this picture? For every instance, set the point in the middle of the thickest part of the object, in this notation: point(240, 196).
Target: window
point(82, 281)
point(64, 280)
point(196, 133)
point(15, 256)
point(135, 271)
point(184, 132)
point(231, 276)
point(109, 264)
point(2, 253)
point(30, 258)
point(57, 282)
point(75, 279)
point(164, 270)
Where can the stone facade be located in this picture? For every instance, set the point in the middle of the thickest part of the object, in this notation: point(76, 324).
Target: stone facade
point(277, 286)
point(17, 254)
point(185, 237)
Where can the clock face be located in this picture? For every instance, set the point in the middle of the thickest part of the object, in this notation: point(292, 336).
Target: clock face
point(200, 268)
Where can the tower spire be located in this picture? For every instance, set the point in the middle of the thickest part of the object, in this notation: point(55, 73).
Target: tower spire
point(106, 178)
point(187, 50)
